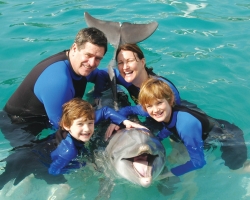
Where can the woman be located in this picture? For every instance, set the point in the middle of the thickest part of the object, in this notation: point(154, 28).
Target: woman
point(131, 73)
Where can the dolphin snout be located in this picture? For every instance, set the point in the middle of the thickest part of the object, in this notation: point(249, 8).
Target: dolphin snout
point(144, 149)
point(145, 181)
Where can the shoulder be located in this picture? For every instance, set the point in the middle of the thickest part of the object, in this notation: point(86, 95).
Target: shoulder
point(187, 121)
point(57, 72)
point(67, 149)
point(186, 117)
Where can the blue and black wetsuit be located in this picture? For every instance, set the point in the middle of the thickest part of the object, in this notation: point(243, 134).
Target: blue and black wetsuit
point(194, 128)
point(133, 90)
point(49, 85)
point(67, 148)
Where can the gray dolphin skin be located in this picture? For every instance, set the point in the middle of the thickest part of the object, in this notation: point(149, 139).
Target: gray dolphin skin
point(120, 33)
point(136, 155)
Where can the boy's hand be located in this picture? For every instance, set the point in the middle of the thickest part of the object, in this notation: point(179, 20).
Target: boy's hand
point(110, 130)
point(127, 124)
point(130, 124)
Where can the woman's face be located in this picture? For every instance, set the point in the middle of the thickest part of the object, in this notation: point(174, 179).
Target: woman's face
point(130, 66)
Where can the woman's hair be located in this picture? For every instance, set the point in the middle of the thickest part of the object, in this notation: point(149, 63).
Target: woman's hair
point(136, 50)
point(153, 89)
point(75, 109)
point(130, 47)
point(93, 36)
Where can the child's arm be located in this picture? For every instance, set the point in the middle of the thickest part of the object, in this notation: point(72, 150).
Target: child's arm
point(133, 110)
point(190, 131)
point(108, 113)
point(62, 155)
point(116, 118)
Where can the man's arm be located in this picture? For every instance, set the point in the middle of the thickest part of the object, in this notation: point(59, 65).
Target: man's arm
point(54, 88)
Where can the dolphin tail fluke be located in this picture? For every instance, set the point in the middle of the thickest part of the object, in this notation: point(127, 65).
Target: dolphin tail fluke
point(134, 33)
point(109, 28)
point(120, 33)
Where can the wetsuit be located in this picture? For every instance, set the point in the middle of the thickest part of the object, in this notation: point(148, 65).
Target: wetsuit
point(67, 147)
point(49, 85)
point(134, 91)
point(192, 128)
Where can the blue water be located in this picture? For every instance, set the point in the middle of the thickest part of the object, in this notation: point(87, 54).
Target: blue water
point(202, 46)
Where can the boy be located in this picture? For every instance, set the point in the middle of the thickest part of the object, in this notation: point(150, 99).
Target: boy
point(190, 127)
point(77, 127)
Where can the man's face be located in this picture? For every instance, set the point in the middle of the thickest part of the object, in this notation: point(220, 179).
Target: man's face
point(87, 59)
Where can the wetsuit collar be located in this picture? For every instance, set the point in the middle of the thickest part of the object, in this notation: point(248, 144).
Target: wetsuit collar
point(72, 72)
point(78, 144)
point(172, 120)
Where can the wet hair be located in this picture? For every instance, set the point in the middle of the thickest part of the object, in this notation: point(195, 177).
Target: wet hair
point(92, 35)
point(130, 47)
point(75, 109)
point(153, 89)
point(136, 50)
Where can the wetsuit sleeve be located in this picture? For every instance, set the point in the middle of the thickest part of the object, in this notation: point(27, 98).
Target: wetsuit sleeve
point(133, 110)
point(175, 91)
point(101, 80)
point(61, 156)
point(53, 89)
point(190, 131)
point(108, 113)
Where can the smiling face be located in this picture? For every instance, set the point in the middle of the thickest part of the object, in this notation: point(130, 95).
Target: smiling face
point(160, 110)
point(81, 129)
point(131, 67)
point(136, 155)
point(78, 119)
point(157, 98)
point(85, 59)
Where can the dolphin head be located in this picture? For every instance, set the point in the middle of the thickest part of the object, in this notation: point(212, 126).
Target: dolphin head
point(136, 155)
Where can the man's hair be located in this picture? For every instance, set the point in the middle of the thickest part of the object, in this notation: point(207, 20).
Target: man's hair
point(75, 109)
point(153, 89)
point(92, 35)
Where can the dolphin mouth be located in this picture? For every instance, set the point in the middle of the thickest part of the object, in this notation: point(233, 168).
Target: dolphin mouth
point(142, 164)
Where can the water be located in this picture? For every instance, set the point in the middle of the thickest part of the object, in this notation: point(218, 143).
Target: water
point(202, 46)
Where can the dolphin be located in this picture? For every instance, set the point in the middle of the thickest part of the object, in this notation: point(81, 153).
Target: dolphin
point(120, 33)
point(136, 155)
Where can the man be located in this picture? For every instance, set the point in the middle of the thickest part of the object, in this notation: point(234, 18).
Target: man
point(57, 79)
